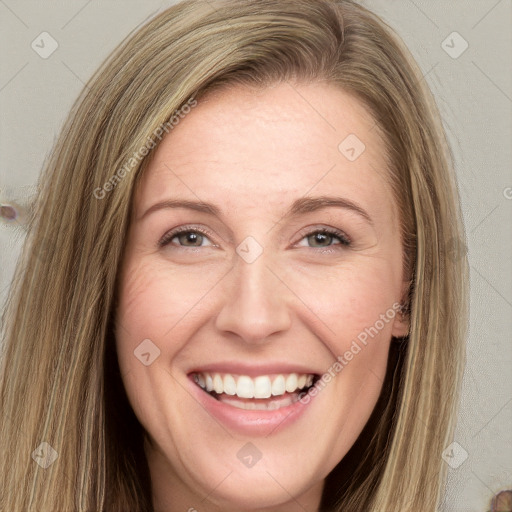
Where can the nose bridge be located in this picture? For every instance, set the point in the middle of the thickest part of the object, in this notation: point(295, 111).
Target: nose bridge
point(254, 304)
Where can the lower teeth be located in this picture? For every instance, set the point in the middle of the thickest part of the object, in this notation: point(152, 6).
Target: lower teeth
point(268, 404)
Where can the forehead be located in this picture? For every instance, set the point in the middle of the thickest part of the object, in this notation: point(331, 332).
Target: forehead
point(250, 147)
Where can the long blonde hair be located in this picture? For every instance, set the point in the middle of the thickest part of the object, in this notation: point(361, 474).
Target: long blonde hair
point(60, 380)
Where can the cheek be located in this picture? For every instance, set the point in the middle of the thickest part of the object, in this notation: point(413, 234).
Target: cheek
point(158, 302)
point(350, 298)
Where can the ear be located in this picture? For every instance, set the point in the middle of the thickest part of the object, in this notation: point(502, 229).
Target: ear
point(401, 322)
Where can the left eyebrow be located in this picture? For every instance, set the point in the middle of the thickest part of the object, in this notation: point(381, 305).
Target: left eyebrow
point(311, 204)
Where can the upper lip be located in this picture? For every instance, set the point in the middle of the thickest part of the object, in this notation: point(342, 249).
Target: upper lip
point(254, 370)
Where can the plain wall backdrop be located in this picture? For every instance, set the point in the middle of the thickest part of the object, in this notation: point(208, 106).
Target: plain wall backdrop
point(464, 48)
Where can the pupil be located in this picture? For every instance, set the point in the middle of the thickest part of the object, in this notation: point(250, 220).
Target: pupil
point(192, 238)
point(321, 238)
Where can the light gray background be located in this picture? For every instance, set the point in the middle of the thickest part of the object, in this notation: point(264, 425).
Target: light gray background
point(474, 94)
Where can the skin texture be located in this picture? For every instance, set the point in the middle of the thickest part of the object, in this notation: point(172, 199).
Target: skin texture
point(303, 300)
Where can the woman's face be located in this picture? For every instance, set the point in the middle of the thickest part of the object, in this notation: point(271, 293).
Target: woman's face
point(230, 280)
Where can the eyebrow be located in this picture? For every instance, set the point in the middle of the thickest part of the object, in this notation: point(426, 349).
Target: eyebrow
point(299, 206)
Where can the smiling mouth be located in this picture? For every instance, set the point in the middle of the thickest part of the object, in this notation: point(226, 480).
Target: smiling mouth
point(265, 392)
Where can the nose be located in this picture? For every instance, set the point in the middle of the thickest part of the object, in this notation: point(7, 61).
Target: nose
point(255, 303)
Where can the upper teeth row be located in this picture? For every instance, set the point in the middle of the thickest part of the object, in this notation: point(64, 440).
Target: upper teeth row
point(247, 387)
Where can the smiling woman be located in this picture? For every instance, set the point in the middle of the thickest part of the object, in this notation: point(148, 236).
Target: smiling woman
point(260, 312)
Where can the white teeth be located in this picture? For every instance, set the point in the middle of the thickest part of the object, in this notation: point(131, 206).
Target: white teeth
point(245, 387)
point(218, 384)
point(256, 405)
point(209, 382)
point(279, 386)
point(260, 387)
point(229, 385)
point(291, 382)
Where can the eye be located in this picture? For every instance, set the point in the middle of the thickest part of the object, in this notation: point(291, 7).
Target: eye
point(186, 237)
point(326, 237)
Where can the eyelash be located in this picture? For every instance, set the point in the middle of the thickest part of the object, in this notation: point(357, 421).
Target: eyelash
point(340, 235)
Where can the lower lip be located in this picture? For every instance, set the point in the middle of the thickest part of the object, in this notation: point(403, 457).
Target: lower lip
point(251, 422)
